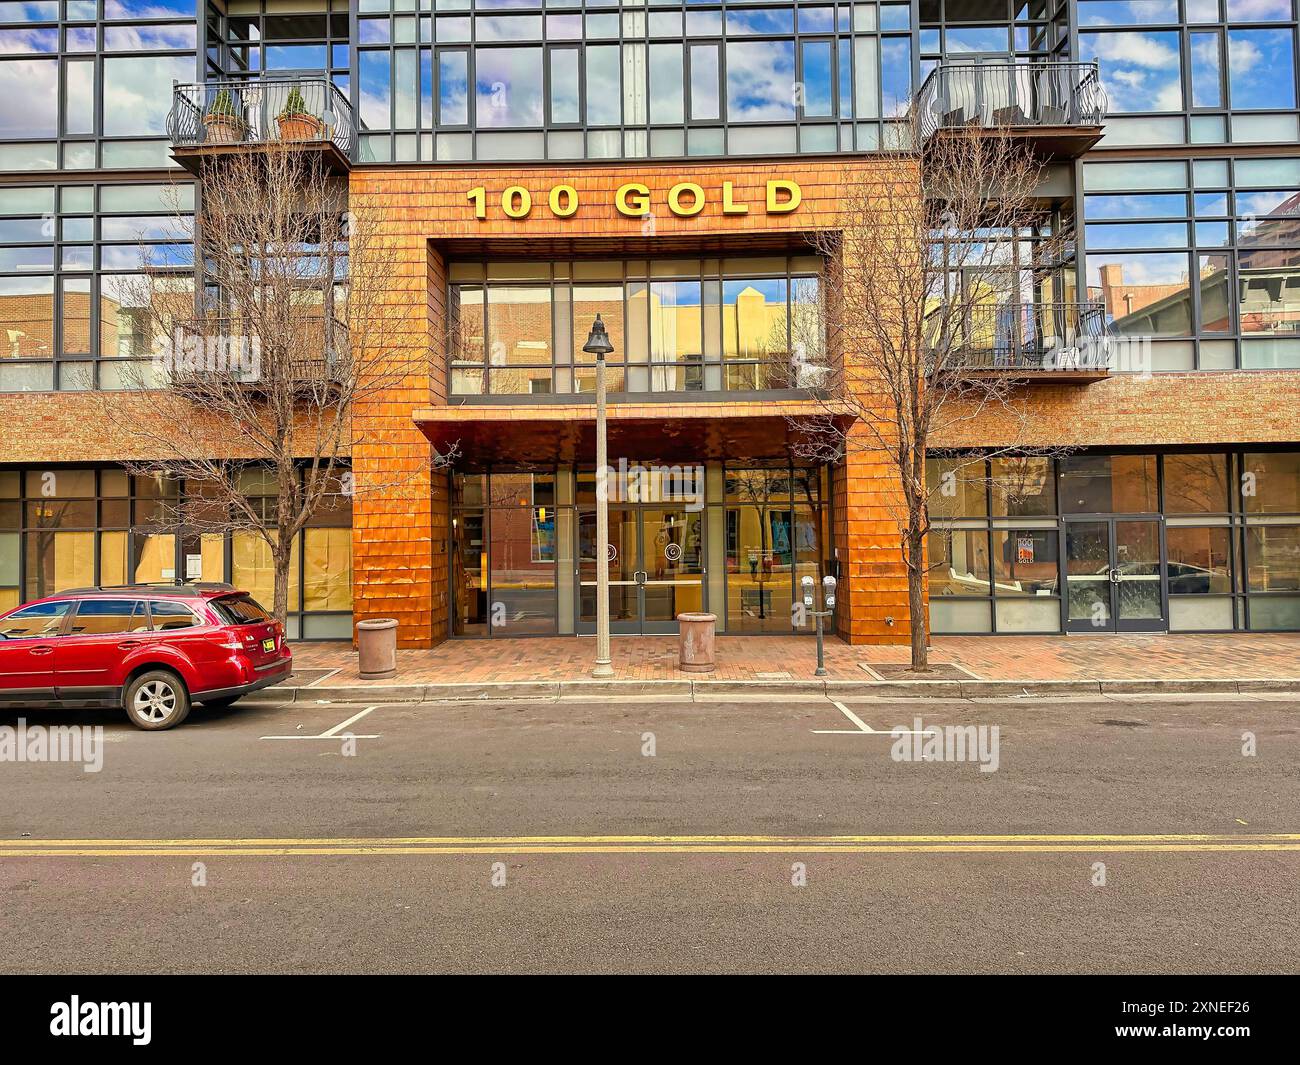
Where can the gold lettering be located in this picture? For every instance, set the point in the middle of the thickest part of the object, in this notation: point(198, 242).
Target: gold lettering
point(675, 199)
point(633, 200)
point(478, 197)
point(729, 204)
point(791, 189)
point(570, 195)
point(517, 209)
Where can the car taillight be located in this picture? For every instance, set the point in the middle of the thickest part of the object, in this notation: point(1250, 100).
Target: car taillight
point(229, 640)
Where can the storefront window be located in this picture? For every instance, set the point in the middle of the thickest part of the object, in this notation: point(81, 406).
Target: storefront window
point(1104, 484)
point(684, 325)
point(1270, 483)
point(1023, 486)
point(1200, 560)
point(505, 554)
point(1196, 484)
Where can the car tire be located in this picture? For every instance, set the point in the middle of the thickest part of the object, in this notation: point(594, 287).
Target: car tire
point(156, 700)
point(219, 704)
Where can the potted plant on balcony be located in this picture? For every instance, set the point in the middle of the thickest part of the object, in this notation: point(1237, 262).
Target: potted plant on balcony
point(296, 122)
point(223, 121)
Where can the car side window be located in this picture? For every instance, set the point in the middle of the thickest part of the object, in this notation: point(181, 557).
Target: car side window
point(38, 620)
point(109, 617)
point(171, 615)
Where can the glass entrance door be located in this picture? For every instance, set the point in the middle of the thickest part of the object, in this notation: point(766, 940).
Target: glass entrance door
point(656, 568)
point(672, 566)
point(1114, 575)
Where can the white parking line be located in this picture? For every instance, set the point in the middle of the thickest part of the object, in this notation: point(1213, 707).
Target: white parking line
point(324, 678)
point(863, 729)
point(334, 733)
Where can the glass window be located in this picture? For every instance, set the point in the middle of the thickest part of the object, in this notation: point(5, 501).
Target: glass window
point(138, 95)
point(327, 562)
point(564, 84)
point(1196, 484)
point(1105, 484)
point(1141, 71)
point(1261, 69)
point(667, 101)
point(959, 562)
point(240, 610)
point(38, 620)
point(1273, 558)
point(31, 95)
point(1207, 70)
point(1199, 560)
point(169, 614)
point(1145, 294)
point(1023, 486)
point(957, 488)
point(604, 92)
point(105, 617)
point(1271, 482)
point(1025, 562)
point(705, 103)
point(760, 81)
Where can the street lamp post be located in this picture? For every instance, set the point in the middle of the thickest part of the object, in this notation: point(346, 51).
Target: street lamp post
point(598, 344)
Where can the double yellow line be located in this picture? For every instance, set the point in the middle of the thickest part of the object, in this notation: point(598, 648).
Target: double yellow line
point(748, 844)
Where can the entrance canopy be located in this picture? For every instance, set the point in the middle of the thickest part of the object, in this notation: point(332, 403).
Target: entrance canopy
point(549, 433)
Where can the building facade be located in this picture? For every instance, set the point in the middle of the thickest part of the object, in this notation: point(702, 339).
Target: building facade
point(664, 165)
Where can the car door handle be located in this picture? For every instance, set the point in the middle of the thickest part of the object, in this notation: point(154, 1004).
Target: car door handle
point(125, 644)
point(42, 650)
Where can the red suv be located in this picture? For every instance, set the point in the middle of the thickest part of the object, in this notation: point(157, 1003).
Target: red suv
point(148, 649)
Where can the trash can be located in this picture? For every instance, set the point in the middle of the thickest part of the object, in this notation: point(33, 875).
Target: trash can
point(695, 642)
point(377, 648)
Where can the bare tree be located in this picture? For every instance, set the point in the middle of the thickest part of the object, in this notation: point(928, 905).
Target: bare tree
point(947, 283)
point(252, 376)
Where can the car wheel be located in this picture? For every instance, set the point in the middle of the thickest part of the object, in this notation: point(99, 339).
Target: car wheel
point(157, 700)
point(219, 704)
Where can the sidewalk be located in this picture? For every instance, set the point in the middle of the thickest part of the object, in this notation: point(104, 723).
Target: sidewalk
point(963, 666)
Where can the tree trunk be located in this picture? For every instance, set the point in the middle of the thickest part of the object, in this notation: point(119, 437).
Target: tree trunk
point(280, 607)
point(916, 602)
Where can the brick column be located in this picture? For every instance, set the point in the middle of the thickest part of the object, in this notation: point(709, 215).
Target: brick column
point(399, 523)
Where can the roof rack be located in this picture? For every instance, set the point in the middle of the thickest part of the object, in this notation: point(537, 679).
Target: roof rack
point(179, 586)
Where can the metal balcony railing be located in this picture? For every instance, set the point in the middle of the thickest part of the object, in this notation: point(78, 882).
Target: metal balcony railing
point(1011, 96)
point(270, 110)
point(231, 346)
point(1030, 338)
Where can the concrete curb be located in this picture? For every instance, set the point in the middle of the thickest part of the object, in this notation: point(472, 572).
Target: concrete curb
point(696, 688)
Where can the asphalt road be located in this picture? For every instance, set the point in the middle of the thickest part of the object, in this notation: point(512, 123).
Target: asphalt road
point(541, 836)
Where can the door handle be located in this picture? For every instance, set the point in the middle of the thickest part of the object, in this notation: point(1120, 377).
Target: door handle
point(41, 650)
point(129, 643)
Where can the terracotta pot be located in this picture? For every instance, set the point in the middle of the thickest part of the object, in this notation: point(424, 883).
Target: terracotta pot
point(224, 129)
point(300, 128)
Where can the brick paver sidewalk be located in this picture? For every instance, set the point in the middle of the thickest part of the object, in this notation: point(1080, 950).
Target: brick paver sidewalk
point(1254, 656)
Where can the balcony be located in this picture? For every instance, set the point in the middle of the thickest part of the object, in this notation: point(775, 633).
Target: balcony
point(1058, 108)
point(1036, 342)
point(220, 117)
point(216, 353)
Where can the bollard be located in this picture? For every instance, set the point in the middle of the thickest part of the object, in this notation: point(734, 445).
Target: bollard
point(377, 648)
point(695, 642)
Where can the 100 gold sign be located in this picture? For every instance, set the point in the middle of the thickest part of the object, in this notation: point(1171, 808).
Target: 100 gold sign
point(633, 200)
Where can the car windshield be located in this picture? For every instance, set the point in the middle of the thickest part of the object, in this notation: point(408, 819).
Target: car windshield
point(240, 610)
